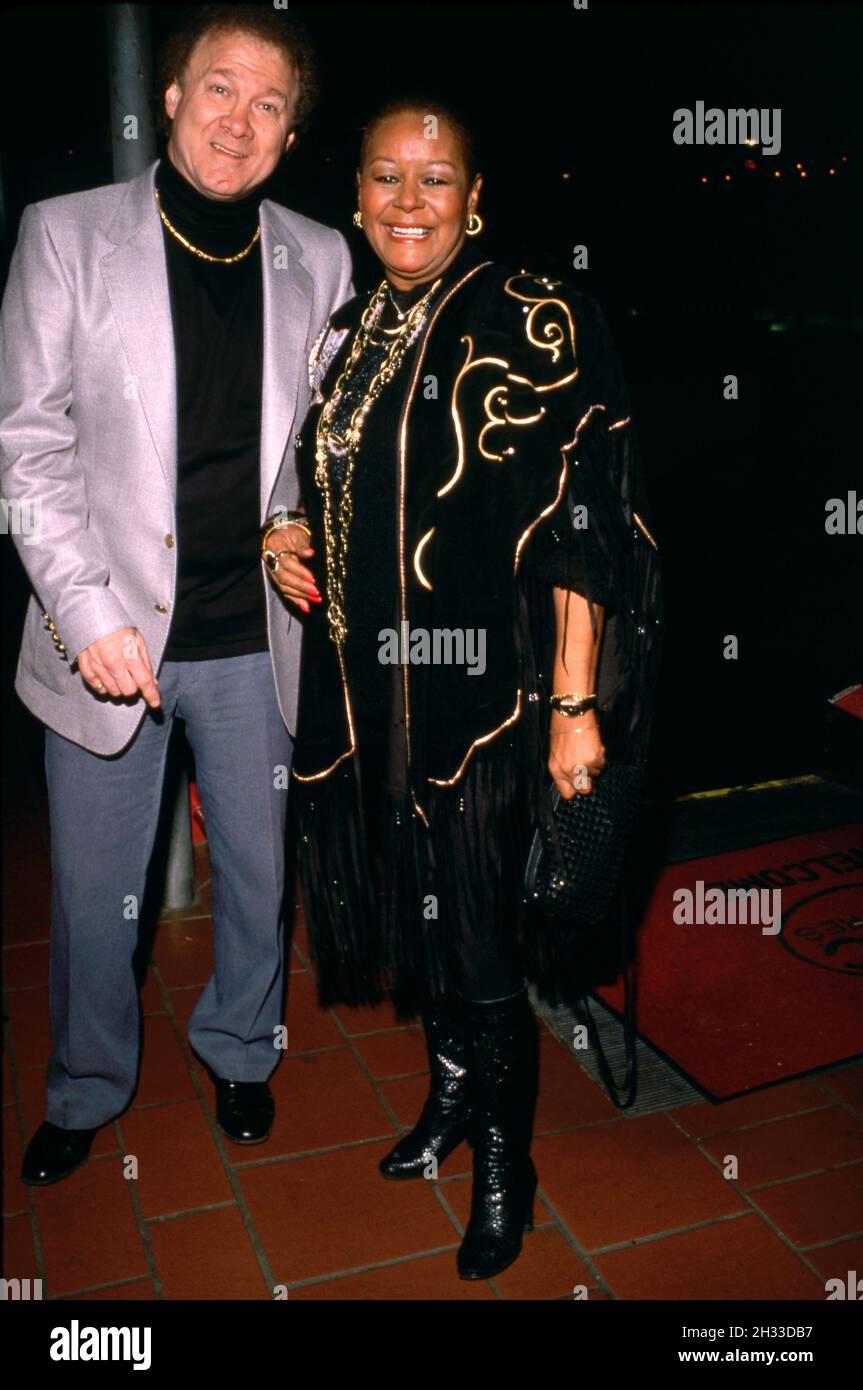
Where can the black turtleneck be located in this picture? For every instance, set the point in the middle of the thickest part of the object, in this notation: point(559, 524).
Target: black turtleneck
point(217, 310)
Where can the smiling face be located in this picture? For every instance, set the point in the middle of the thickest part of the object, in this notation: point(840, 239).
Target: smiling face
point(415, 196)
point(231, 119)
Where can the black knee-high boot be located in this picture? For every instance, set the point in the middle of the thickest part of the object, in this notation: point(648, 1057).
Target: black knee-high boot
point(443, 1121)
point(503, 1077)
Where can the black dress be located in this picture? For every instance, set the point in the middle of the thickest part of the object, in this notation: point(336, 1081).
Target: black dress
point(483, 946)
point(413, 906)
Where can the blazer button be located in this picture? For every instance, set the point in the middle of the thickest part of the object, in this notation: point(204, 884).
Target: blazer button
point(160, 608)
point(169, 541)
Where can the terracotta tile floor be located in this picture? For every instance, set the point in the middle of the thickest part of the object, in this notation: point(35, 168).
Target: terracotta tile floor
point(630, 1208)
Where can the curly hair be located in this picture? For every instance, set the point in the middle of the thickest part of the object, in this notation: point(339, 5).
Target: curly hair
point(414, 104)
point(268, 25)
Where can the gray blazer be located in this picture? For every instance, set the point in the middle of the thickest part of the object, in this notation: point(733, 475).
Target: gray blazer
point(88, 430)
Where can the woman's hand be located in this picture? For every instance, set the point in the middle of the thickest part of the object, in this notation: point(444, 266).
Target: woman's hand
point(575, 757)
point(292, 578)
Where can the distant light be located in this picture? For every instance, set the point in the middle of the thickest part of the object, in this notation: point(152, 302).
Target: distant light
point(703, 178)
point(777, 327)
point(750, 142)
point(844, 158)
point(803, 174)
point(727, 178)
point(832, 171)
point(749, 164)
point(634, 312)
point(798, 166)
point(566, 176)
point(777, 173)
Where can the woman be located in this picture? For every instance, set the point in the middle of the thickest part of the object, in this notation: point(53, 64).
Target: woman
point(466, 473)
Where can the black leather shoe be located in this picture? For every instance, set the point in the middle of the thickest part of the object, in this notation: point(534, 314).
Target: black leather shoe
point(54, 1153)
point(503, 1073)
point(245, 1110)
point(443, 1121)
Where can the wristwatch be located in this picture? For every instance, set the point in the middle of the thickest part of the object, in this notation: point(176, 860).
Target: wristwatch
point(572, 705)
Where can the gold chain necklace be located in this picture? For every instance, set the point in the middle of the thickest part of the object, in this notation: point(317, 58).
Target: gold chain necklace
point(196, 250)
point(401, 314)
point(335, 553)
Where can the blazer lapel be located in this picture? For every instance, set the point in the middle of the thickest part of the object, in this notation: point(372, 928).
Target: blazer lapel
point(288, 293)
point(136, 280)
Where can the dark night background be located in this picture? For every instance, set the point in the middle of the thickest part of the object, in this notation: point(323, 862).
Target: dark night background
point(756, 276)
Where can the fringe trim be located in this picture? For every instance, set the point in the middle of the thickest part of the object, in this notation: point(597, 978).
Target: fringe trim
point(338, 892)
point(447, 889)
point(396, 943)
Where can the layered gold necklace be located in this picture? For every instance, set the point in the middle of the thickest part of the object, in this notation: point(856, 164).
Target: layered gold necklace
point(329, 442)
point(196, 250)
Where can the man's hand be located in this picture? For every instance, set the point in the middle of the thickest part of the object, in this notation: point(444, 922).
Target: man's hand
point(292, 579)
point(574, 758)
point(118, 665)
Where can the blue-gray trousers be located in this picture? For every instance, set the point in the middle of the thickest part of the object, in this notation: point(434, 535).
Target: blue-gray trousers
point(104, 813)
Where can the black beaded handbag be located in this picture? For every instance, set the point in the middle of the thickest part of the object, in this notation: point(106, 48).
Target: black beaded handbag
point(574, 872)
point(579, 847)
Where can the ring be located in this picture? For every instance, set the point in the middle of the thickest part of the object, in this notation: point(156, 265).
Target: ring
point(99, 685)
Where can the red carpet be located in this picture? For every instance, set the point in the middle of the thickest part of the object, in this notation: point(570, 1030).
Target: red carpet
point(734, 1008)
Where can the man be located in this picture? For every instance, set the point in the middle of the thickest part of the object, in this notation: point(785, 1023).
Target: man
point(154, 339)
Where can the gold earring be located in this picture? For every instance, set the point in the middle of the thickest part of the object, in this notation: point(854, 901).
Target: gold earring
point(475, 224)
point(358, 218)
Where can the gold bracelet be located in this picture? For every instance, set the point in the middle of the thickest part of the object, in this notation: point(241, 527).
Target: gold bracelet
point(572, 706)
point(270, 529)
point(570, 695)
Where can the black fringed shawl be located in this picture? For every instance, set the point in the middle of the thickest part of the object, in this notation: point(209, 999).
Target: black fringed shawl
point(516, 471)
